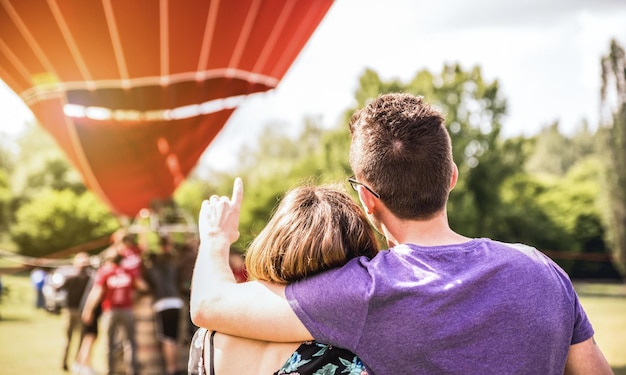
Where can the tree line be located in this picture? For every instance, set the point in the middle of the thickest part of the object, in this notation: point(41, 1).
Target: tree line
point(564, 194)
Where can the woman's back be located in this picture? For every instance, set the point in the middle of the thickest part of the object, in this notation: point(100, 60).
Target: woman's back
point(235, 355)
point(241, 356)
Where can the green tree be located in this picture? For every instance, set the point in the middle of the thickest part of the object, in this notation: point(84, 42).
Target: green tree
point(190, 194)
point(7, 164)
point(41, 164)
point(613, 133)
point(51, 208)
point(560, 213)
point(7, 155)
point(555, 153)
point(525, 219)
point(583, 181)
point(55, 220)
point(5, 202)
point(269, 167)
point(280, 162)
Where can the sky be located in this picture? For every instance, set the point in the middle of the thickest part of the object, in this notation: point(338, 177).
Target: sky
point(545, 53)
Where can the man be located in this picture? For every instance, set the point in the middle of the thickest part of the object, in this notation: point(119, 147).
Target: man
point(114, 286)
point(74, 286)
point(186, 259)
point(435, 302)
point(38, 279)
point(131, 254)
point(162, 276)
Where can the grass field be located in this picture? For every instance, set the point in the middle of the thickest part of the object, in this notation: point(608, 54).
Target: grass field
point(606, 308)
point(31, 341)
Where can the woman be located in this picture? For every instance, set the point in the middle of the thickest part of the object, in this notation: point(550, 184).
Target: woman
point(313, 229)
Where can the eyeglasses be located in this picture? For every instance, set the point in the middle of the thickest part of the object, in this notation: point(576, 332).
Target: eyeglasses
point(354, 183)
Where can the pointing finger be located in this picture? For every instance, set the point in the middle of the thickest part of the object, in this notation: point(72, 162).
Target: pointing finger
point(237, 192)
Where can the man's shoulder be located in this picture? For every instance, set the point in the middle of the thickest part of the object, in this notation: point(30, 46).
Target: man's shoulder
point(355, 269)
point(107, 270)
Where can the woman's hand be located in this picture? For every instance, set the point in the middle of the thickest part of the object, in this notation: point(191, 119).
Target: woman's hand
point(219, 216)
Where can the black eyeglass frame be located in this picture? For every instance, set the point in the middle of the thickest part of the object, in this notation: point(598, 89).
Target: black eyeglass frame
point(354, 183)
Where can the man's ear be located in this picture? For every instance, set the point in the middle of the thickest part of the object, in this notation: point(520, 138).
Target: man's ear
point(455, 176)
point(368, 200)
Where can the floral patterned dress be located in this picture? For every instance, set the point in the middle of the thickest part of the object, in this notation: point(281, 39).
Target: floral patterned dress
point(314, 358)
point(311, 358)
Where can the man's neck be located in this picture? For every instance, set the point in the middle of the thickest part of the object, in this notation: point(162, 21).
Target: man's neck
point(431, 232)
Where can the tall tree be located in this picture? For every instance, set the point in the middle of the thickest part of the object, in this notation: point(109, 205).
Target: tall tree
point(274, 163)
point(555, 153)
point(51, 208)
point(5, 203)
point(41, 164)
point(613, 130)
point(56, 220)
point(7, 162)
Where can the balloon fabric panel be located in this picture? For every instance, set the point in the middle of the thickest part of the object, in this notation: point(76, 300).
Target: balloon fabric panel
point(135, 91)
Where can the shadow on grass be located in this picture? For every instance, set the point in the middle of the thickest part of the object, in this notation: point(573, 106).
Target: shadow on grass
point(601, 295)
point(11, 319)
point(619, 370)
point(600, 289)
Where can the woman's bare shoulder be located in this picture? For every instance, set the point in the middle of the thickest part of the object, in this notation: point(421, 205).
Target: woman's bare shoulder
point(261, 357)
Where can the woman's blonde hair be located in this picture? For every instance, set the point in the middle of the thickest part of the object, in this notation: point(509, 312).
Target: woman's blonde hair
point(314, 228)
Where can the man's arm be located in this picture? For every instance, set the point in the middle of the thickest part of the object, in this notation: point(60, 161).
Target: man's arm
point(141, 284)
point(253, 309)
point(93, 298)
point(585, 358)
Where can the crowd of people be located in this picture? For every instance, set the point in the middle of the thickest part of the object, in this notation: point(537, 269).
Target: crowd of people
point(104, 294)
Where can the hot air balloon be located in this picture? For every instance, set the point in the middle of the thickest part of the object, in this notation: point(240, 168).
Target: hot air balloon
point(135, 91)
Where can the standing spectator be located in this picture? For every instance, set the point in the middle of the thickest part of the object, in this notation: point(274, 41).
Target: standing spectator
point(131, 254)
point(114, 286)
point(74, 287)
point(1, 292)
point(237, 264)
point(37, 278)
point(162, 276)
point(186, 260)
point(89, 333)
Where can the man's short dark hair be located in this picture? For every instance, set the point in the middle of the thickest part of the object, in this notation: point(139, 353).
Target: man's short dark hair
point(401, 148)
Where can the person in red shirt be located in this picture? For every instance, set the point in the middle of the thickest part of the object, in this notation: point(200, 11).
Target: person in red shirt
point(114, 286)
point(238, 265)
point(131, 254)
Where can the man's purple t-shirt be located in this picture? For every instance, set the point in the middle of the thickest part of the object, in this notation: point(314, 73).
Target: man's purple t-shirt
point(480, 307)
